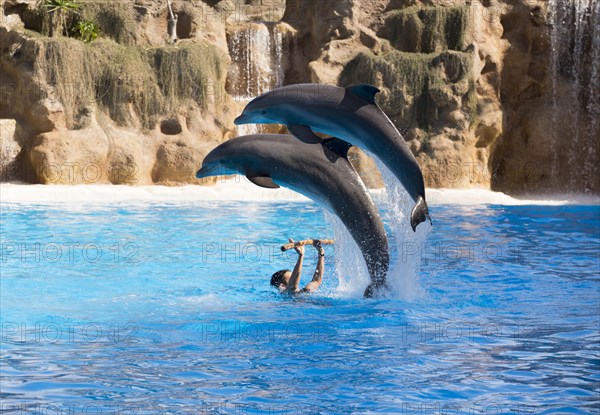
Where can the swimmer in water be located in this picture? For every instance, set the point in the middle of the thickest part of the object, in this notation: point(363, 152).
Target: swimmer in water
point(288, 281)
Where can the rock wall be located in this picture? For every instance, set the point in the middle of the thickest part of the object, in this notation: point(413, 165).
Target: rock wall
point(550, 94)
point(477, 88)
point(9, 149)
point(128, 108)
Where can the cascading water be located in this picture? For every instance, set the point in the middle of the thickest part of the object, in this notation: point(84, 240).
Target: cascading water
point(575, 72)
point(252, 67)
point(257, 53)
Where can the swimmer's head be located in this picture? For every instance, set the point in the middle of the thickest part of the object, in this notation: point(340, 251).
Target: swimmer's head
point(281, 278)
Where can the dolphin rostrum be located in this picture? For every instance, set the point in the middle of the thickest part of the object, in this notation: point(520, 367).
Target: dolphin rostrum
point(320, 171)
point(350, 114)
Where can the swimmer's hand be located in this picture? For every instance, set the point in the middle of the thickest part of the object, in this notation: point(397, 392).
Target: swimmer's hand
point(297, 247)
point(317, 244)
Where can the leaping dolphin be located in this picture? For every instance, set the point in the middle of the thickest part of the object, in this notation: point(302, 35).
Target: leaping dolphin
point(350, 114)
point(320, 171)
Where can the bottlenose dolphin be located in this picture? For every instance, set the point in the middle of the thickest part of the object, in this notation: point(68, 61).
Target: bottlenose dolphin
point(350, 114)
point(320, 171)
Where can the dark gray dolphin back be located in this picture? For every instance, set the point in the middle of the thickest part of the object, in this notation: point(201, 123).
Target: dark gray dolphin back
point(321, 172)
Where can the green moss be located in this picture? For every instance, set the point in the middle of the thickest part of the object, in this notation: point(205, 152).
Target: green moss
point(472, 104)
point(65, 65)
point(188, 71)
point(133, 85)
point(409, 77)
point(428, 29)
point(115, 19)
point(125, 81)
point(32, 34)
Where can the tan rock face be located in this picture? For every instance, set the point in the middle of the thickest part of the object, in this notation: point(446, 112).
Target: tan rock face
point(485, 93)
point(9, 149)
point(427, 63)
point(366, 168)
point(551, 100)
point(469, 84)
point(71, 157)
point(106, 112)
point(176, 161)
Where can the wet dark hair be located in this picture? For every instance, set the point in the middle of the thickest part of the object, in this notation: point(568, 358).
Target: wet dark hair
point(277, 278)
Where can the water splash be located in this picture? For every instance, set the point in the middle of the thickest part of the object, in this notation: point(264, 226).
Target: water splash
point(409, 246)
point(351, 268)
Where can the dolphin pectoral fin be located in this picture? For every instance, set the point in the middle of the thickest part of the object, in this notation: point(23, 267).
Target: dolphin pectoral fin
point(263, 181)
point(365, 91)
point(339, 147)
point(304, 134)
point(419, 214)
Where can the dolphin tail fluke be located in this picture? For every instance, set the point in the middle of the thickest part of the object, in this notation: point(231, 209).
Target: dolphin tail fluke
point(370, 291)
point(420, 213)
point(376, 290)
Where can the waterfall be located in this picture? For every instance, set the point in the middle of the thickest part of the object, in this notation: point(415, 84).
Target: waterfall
point(575, 81)
point(257, 53)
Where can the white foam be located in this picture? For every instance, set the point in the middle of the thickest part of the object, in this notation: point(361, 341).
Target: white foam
point(487, 197)
point(237, 189)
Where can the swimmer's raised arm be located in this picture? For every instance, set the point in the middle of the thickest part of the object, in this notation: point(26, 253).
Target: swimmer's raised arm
point(318, 275)
point(292, 287)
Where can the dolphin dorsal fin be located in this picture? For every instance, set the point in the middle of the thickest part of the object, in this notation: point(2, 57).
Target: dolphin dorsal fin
point(263, 181)
point(364, 91)
point(339, 147)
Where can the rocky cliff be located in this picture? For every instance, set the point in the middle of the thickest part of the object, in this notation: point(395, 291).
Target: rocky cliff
point(493, 94)
point(127, 108)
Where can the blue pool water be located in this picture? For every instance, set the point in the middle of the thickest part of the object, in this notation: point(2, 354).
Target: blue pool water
point(166, 309)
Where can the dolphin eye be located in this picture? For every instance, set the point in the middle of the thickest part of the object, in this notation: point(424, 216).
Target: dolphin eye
point(263, 112)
